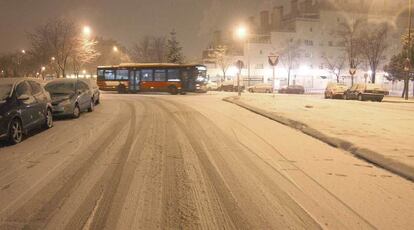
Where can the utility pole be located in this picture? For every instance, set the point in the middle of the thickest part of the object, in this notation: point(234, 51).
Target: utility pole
point(409, 53)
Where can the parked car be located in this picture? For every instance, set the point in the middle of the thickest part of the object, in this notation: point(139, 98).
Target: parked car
point(363, 92)
point(24, 105)
point(70, 97)
point(95, 89)
point(211, 85)
point(292, 89)
point(335, 90)
point(261, 88)
point(231, 86)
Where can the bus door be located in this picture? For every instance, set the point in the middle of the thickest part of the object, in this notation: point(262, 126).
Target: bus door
point(186, 79)
point(134, 80)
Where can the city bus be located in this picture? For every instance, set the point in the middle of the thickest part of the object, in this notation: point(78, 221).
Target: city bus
point(142, 77)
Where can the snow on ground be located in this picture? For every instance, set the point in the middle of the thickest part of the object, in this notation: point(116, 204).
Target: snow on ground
point(386, 128)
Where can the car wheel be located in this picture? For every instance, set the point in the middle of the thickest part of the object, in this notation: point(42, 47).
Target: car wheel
point(76, 112)
point(98, 101)
point(49, 119)
point(250, 90)
point(380, 99)
point(15, 132)
point(345, 96)
point(173, 90)
point(91, 106)
point(360, 97)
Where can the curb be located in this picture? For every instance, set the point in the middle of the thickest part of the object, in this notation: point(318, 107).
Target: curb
point(373, 157)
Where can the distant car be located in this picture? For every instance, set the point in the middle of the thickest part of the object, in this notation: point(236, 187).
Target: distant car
point(70, 97)
point(261, 88)
point(231, 86)
point(95, 89)
point(292, 89)
point(211, 86)
point(335, 90)
point(24, 105)
point(363, 92)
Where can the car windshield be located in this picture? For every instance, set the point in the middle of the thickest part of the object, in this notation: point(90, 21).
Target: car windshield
point(5, 90)
point(61, 88)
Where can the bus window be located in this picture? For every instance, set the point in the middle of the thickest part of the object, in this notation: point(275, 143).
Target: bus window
point(173, 74)
point(146, 75)
point(109, 75)
point(122, 74)
point(160, 75)
point(101, 74)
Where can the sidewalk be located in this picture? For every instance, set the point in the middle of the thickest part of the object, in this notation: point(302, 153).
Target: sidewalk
point(381, 133)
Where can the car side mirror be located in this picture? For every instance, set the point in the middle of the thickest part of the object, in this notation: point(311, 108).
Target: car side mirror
point(23, 97)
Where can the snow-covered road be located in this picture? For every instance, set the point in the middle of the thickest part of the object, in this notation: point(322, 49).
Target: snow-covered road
point(191, 162)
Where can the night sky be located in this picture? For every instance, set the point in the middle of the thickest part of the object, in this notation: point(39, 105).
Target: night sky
point(128, 20)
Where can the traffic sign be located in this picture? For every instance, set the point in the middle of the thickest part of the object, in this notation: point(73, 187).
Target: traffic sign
point(273, 60)
point(352, 71)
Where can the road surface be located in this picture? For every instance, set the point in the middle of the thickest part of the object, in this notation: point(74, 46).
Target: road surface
point(191, 162)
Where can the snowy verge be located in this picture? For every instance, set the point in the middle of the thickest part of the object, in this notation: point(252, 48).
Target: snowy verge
point(397, 167)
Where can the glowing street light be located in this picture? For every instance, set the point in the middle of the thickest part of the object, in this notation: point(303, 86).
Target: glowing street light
point(52, 58)
point(84, 72)
point(23, 51)
point(115, 49)
point(43, 68)
point(87, 31)
point(241, 32)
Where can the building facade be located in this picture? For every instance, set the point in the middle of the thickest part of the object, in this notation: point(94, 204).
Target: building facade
point(306, 39)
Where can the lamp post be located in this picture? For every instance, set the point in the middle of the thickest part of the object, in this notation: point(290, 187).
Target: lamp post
point(240, 66)
point(407, 66)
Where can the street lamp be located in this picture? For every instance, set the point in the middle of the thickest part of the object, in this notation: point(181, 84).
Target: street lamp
point(52, 58)
point(87, 31)
point(243, 35)
point(115, 49)
point(23, 51)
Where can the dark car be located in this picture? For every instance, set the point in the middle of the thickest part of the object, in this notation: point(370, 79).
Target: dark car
point(363, 92)
point(70, 97)
point(24, 105)
point(95, 89)
point(292, 89)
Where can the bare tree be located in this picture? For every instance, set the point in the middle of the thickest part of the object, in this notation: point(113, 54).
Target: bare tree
point(160, 49)
point(84, 53)
point(349, 35)
point(289, 56)
point(223, 60)
point(373, 44)
point(150, 49)
point(58, 38)
point(335, 65)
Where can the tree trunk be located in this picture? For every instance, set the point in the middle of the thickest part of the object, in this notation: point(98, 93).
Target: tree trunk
point(288, 77)
point(406, 87)
point(374, 73)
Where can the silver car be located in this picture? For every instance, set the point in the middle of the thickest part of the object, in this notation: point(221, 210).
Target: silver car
point(70, 97)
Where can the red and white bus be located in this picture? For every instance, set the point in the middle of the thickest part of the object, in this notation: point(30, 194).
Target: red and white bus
point(137, 77)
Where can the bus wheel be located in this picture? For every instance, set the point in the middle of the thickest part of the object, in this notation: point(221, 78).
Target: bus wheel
point(173, 90)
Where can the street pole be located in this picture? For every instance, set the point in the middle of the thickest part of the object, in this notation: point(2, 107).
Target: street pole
point(238, 84)
point(248, 61)
point(407, 87)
